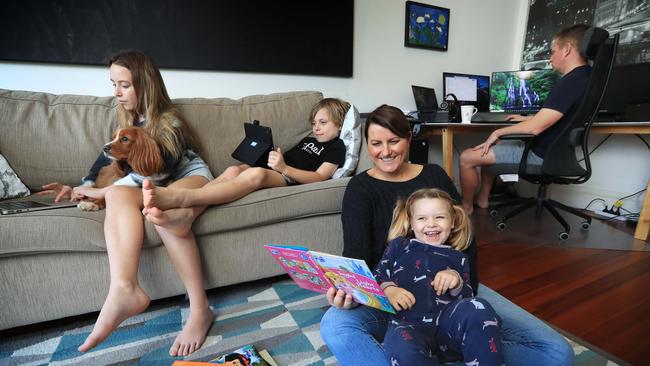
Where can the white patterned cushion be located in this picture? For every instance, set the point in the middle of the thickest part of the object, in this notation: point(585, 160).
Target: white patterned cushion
point(10, 184)
point(351, 136)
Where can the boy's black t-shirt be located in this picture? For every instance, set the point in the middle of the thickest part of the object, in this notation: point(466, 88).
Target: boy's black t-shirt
point(565, 97)
point(309, 154)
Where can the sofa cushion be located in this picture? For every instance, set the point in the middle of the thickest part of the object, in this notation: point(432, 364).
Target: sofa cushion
point(73, 230)
point(40, 132)
point(286, 113)
point(269, 206)
point(51, 231)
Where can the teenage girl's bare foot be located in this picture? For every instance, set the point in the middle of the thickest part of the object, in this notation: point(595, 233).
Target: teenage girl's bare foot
point(122, 302)
point(161, 197)
point(194, 332)
point(178, 221)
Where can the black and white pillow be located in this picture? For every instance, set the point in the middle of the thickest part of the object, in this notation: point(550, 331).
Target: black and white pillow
point(10, 184)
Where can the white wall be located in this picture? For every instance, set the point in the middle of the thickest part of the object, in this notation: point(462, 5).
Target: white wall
point(485, 36)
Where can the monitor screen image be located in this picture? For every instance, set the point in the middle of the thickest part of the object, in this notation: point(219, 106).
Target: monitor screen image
point(521, 91)
point(469, 89)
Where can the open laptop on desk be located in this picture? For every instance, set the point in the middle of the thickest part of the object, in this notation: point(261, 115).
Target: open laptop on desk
point(517, 92)
point(426, 104)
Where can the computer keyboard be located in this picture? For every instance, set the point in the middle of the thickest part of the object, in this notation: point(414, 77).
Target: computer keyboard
point(491, 117)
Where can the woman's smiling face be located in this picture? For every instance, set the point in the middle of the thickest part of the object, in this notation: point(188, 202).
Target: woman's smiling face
point(386, 150)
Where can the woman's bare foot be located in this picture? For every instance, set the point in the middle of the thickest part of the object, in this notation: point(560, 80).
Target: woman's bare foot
point(194, 332)
point(482, 203)
point(122, 302)
point(468, 209)
point(178, 221)
point(161, 197)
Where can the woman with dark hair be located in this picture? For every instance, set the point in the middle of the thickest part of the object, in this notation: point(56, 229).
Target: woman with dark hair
point(354, 333)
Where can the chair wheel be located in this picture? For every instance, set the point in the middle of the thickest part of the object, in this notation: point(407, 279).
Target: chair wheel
point(501, 225)
point(564, 235)
point(585, 225)
point(494, 213)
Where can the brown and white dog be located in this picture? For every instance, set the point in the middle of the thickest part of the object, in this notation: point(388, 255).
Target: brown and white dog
point(133, 150)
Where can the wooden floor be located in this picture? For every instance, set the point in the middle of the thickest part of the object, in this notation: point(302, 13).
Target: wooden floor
point(593, 286)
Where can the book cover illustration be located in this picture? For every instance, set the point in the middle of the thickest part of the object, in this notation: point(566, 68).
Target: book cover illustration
point(244, 356)
point(300, 267)
point(355, 278)
point(317, 271)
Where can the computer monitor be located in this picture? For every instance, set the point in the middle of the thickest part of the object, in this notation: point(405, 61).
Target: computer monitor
point(468, 88)
point(521, 91)
point(627, 90)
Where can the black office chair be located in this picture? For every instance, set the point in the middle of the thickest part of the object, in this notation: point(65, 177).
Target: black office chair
point(561, 164)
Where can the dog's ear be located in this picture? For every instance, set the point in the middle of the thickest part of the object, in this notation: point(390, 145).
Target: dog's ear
point(145, 157)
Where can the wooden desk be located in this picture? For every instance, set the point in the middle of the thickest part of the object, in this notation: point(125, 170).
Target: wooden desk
point(447, 131)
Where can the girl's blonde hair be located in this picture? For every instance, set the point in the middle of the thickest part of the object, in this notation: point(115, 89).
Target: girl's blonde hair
point(334, 106)
point(164, 122)
point(401, 223)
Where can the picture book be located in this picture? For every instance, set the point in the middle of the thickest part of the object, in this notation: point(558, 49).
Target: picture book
point(244, 356)
point(318, 272)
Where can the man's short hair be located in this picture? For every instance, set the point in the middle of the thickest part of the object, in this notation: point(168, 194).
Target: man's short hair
point(573, 34)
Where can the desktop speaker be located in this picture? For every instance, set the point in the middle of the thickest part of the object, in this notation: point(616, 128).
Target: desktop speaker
point(419, 152)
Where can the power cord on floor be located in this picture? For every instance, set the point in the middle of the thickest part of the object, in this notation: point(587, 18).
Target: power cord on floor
point(594, 200)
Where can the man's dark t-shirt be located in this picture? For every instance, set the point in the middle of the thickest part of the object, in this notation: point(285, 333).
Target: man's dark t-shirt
point(565, 97)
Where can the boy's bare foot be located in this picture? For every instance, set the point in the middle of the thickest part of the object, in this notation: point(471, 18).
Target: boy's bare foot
point(178, 221)
point(122, 302)
point(194, 332)
point(161, 197)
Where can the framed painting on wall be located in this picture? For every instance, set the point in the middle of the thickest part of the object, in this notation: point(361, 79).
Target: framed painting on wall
point(426, 26)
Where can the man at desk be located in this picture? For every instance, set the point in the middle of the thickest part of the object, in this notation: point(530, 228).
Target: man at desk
point(558, 109)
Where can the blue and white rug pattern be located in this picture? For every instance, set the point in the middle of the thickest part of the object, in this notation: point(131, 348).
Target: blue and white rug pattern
point(275, 315)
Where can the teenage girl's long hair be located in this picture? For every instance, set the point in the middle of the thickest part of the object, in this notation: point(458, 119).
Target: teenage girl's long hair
point(164, 122)
point(461, 231)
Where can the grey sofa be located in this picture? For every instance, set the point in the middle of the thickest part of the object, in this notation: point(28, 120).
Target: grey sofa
point(53, 264)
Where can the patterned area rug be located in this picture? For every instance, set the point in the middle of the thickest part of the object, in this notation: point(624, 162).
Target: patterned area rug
point(272, 314)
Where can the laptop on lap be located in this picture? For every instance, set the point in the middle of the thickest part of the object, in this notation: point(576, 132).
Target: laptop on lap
point(29, 204)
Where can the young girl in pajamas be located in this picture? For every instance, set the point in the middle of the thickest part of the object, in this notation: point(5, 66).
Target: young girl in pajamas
point(426, 278)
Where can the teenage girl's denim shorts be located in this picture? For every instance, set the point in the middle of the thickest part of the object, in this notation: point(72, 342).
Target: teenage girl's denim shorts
point(191, 165)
